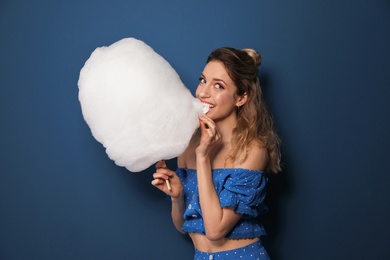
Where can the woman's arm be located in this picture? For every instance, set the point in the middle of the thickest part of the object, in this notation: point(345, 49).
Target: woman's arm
point(176, 192)
point(217, 221)
point(178, 208)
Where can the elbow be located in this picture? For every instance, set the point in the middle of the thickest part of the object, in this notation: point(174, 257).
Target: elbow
point(215, 235)
point(178, 228)
point(182, 232)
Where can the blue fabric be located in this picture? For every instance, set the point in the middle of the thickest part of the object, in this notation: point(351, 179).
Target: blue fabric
point(251, 251)
point(241, 189)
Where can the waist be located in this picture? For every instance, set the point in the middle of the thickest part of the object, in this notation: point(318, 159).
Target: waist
point(245, 228)
point(203, 244)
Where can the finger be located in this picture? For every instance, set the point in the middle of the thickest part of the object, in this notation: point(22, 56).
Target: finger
point(204, 119)
point(209, 131)
point(202, 126)
point(164, 171)
point(157, 182)
point(160, 175)
point(161, 164)
point(208, 122)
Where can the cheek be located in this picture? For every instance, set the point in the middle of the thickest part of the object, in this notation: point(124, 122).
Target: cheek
point(223, 98)
point(197, 92)
point(219, 97)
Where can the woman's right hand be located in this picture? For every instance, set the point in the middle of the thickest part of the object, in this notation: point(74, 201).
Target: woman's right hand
point(164, 174)
point(210, 137)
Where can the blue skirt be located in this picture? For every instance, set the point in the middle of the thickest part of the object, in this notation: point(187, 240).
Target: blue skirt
point(254, 251)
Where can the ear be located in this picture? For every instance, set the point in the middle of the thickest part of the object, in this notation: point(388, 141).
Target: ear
point(241, 100)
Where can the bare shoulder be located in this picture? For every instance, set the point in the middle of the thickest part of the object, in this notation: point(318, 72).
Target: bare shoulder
point(257, 158)
point(185, 160)
point(181, 161)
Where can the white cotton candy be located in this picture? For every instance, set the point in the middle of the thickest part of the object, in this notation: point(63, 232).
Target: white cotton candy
point(136, 105)
point(205, 108)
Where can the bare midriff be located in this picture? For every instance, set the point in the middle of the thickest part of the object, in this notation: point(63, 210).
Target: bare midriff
point(202, 243)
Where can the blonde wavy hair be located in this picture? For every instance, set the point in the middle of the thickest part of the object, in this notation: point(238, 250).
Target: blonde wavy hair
point(254, 120)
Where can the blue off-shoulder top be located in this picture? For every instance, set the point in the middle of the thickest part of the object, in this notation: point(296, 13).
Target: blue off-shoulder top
point(241, 189)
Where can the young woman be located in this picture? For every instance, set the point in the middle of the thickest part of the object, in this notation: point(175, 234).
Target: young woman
point(217, 192)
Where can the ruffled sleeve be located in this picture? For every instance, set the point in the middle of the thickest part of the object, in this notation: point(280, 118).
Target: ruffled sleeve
point(244, 190)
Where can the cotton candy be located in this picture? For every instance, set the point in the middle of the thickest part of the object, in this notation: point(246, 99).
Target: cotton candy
point(136, 105)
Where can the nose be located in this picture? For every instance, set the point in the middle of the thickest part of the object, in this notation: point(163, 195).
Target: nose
point(203, 90)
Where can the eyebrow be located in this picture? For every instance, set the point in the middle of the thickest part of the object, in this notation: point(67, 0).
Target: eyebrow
point(215, 79)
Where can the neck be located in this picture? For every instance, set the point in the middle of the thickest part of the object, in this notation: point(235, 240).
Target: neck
point(225, 128)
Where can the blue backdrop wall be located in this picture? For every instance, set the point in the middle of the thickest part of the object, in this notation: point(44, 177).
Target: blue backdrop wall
point(326, 77)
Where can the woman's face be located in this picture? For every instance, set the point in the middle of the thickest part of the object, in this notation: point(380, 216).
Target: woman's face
point(217, 90)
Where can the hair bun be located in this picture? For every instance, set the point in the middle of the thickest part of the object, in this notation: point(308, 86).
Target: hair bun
point(254, 55)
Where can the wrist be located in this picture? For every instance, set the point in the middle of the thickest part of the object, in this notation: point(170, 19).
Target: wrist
point(202, 159)
point(177, 198)
point(200, 154)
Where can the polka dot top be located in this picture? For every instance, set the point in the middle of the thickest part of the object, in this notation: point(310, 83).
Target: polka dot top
point(241, 189)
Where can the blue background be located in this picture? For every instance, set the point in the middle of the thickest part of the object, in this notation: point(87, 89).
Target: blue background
point(325, 72)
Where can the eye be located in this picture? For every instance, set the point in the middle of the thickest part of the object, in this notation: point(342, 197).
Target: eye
point(218, 86)
point(202, 80)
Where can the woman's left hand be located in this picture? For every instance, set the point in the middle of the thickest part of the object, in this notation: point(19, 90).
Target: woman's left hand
point(209, 138)
point(167, 180)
